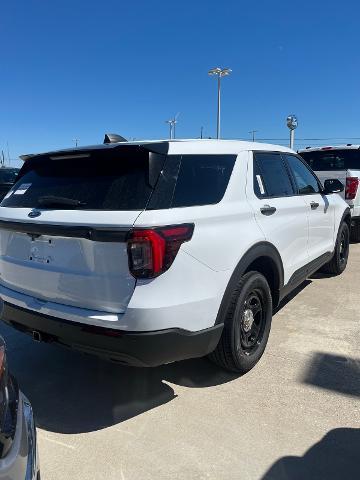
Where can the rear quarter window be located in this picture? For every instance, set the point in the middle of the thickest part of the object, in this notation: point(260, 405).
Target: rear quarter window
point(192, 180)
point(202, 179)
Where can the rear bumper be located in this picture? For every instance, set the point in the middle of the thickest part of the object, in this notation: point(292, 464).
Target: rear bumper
point(131, 348)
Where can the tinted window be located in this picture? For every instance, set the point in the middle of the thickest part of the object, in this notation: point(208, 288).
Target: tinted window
point(305, 181)
point(202, 179)
point(118, 181)
point(8, 175)
point(271, 178)
point(322, 160)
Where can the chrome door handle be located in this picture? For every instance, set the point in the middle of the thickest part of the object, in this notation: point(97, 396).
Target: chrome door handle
point(267, 210)
point(314, 205)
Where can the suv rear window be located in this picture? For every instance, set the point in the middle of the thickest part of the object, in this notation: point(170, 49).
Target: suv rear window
point(327, 160)
point(119, 181)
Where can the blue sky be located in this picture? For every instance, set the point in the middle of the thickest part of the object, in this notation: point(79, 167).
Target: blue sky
point(78, 69)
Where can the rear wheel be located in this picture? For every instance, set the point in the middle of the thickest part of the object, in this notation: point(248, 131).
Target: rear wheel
point(355, 232)
point(247, 325)
point(339, 260)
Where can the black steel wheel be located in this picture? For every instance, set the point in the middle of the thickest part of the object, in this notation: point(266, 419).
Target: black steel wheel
point(252, 321)
point(247, 324)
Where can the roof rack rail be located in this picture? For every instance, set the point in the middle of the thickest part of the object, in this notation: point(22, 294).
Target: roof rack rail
point(113, 138)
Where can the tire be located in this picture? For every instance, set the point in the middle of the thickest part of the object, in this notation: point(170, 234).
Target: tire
point(355, 232)
point(339, 260)
point(245, 334)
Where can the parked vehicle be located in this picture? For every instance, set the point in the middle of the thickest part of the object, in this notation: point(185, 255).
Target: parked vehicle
point(152, 252)
point(18, 448)
point(342, 162)
point(7, 179)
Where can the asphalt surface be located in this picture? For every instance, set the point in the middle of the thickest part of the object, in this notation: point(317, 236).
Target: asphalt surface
point(296, 415)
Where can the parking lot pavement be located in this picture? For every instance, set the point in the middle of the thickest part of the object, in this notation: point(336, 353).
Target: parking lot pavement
point(294, 416)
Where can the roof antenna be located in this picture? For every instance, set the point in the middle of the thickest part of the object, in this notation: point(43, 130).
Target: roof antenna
point(113, 138)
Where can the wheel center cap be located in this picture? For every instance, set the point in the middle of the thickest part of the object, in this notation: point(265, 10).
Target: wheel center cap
point(248, 320)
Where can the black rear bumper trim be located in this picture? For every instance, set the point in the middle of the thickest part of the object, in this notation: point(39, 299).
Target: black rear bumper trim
point(145, 349)
point(96, 234)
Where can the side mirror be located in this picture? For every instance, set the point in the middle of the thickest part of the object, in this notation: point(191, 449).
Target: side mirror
point(333, 185)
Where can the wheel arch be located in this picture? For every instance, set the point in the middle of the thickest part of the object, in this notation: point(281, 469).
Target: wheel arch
point(346, 217)
point(263, 258)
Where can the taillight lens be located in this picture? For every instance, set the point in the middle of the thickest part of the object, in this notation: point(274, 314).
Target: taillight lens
point(151, 251)
point(352, 184)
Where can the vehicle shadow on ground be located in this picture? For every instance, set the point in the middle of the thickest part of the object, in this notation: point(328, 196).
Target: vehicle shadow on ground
point(333, 372)
point(74, 393)
point(335, 457)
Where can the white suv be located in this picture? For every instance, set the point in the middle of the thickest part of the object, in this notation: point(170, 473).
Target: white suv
point(152, 252)
point(342, 162)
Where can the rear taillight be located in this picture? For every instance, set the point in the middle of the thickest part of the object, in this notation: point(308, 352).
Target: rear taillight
point(352, 184)
point(151, 251)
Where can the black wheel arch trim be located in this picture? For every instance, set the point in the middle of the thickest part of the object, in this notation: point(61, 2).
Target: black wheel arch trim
point(256, 252)
point(346, 214)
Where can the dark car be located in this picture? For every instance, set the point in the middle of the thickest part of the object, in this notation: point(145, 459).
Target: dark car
point(7, 179)
point(18, 449)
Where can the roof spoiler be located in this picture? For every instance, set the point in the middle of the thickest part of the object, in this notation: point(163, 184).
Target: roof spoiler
point(113, 138)
point(26, 157)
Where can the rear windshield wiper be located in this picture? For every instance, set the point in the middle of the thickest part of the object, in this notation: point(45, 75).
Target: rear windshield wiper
point(51, 200)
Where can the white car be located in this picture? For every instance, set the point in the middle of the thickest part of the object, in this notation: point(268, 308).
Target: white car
point(342, 162)
point(152, 252)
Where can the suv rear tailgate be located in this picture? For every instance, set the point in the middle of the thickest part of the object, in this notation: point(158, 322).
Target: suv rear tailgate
point(68, 219)
point(83, 266)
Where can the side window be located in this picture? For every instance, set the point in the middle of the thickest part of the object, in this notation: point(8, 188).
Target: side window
point(202, 179)
point(271, 178)
point(306, 182)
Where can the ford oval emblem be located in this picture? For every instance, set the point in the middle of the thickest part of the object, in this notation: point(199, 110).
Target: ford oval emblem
point(34, 213)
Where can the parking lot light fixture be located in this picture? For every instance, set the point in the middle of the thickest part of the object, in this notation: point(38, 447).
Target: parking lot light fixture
point(219, 72)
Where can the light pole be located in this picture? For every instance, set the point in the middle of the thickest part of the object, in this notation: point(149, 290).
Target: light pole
point(219, 72)
point(292, 123)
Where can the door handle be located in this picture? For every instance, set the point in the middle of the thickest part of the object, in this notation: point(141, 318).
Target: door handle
point(267, 210)
point(314, 205)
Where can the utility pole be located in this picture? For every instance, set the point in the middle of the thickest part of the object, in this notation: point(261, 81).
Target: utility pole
point(201, 132)
point(253, 134)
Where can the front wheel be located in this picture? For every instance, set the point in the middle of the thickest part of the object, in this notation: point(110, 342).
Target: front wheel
point(341, 253)
point(247, 325)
